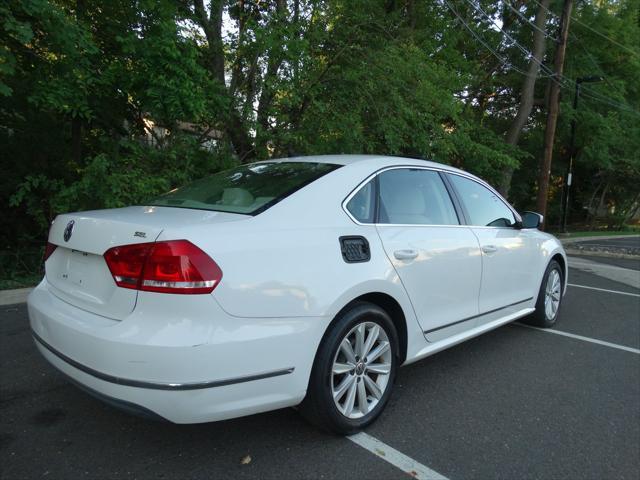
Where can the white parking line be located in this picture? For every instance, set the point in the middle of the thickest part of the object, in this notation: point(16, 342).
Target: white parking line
point(394, 457)
point(604, 290)
point(584, 339)
point(593, 264)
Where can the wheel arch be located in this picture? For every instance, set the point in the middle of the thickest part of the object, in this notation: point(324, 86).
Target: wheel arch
point(393, 309)
point(562, 261)
point(558, 257)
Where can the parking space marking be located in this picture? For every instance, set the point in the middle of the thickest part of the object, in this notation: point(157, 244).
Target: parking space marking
point(394, 457)
point(584, 339)
point(604, 290)
point(594, 264)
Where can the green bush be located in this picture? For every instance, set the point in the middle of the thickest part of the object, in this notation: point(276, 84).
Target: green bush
point(137, 173)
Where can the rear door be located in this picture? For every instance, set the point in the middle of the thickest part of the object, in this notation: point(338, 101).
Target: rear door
point(509, 254)
point(437, 259)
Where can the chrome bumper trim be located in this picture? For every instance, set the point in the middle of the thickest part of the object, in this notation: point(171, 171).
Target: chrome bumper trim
point(156, 385)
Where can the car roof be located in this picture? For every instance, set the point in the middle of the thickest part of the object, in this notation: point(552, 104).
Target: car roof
point(377, 160)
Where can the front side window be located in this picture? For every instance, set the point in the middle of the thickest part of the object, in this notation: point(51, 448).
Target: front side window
point(484, 207)
point(248, 189)
point(414, 197)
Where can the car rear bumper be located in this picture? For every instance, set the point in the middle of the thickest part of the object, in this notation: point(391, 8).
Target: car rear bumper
point(181, 358)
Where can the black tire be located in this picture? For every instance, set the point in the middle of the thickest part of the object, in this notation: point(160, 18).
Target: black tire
point(540, 318)
point(319, 407)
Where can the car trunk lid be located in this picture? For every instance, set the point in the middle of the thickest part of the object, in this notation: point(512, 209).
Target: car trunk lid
point(77, 271)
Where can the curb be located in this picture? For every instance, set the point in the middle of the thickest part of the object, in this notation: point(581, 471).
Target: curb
point(10, 297)
point(584, 239)
point(594, 253)
point(572, 247)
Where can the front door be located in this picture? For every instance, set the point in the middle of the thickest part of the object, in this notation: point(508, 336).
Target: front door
point(508, 253)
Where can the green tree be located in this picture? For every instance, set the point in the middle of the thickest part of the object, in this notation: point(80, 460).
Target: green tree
point(105, 103)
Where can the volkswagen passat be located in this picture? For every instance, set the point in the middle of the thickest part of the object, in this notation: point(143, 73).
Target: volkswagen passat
point(301, 281)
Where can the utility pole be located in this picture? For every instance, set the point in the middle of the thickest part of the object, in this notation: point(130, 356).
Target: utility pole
point(527, 91)
point(554, 106)
point(572, 152)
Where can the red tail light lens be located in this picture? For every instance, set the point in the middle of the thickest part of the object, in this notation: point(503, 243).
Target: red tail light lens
point(175, 266)
point(179, 267)
point(48, 250)
point(127, 263)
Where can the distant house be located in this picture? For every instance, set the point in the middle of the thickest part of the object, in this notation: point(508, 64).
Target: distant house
point(155, 133)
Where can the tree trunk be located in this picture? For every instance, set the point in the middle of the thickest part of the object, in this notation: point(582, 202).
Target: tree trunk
point(552, 116)
point(212, 26)
point(234, 128)
point(273, 65)
point(633, 209)
point(592, 199)
point(527, 91)
point(599, 206)
point(236, 69)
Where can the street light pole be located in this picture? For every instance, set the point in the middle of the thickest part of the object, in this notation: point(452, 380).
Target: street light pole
point(568, 181)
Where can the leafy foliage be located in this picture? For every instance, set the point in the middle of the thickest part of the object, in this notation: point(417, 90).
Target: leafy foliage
point(105, 103)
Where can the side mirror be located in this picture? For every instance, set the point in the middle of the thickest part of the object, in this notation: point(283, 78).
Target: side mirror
point(532, 220)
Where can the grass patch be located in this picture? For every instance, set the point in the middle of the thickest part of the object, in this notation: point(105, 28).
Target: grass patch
point(20, 282)
point(21, 267)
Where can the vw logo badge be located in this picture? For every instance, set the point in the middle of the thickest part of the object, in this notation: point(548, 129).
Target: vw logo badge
point(68, 231)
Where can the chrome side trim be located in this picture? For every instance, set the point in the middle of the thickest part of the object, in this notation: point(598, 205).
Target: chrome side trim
point(157, 385)
point(477, 316)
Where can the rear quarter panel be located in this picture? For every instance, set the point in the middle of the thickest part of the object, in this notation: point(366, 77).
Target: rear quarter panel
point(287, 262)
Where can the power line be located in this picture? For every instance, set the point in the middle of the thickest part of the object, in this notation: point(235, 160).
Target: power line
point(503, 60)
point(607, 101)
point(561, 80)
point(589, 27)
point(597, 66)
point(554, 77)
point(592, 93)
point(533, 25)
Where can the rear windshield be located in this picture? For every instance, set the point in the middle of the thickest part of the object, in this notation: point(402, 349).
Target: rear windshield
point(248, 189)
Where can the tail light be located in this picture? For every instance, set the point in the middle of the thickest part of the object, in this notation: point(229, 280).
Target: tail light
point(48, 250)
point(175, 266)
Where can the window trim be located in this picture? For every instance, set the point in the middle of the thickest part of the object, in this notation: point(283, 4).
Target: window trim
point(462, 216)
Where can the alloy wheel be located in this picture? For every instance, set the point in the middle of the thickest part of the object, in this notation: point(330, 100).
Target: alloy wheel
point(552, 294)
point(361, 369)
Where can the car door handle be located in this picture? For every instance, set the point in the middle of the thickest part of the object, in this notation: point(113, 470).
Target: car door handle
point(489, 249)
point(408, 254)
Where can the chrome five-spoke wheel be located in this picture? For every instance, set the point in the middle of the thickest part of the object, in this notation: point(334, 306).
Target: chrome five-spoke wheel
point(361, 367)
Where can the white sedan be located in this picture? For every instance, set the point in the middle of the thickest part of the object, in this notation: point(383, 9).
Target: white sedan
point(301, 281)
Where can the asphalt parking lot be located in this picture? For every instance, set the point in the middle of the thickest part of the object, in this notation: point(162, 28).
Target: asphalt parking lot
point(514, 403)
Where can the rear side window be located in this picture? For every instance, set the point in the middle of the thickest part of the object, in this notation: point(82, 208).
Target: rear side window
point(414, 197)
point(362, 204)
point(484, 207)
point(249, 189)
